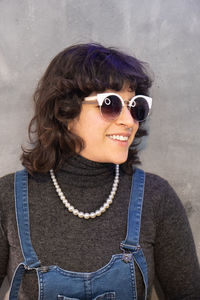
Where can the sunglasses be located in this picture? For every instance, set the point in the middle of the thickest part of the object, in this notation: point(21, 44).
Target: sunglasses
point(111, 105)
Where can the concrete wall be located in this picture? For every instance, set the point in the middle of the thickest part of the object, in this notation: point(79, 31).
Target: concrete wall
point(164, 33)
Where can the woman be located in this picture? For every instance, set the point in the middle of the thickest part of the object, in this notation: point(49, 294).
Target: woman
point(90, 110)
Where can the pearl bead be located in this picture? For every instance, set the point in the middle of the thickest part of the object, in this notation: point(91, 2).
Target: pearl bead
point(109, 201)
point(67, 204)
point(98, 212)
point(92, 215)
point(102, 209)
point(86, 216)
point(70, 208)
point(80, 214)
point(106, 205)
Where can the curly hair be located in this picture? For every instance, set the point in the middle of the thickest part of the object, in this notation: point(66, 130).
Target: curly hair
point(73, 74)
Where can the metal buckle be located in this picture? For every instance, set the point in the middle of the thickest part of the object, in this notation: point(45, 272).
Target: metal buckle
point(127, 255)
point(44, 269)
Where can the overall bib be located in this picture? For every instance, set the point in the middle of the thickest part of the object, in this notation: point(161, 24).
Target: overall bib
point(116, 280)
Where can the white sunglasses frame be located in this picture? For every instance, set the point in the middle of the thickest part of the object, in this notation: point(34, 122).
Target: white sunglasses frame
point(101, 97)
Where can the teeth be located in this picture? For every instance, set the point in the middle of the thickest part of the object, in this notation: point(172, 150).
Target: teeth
point(119, 137)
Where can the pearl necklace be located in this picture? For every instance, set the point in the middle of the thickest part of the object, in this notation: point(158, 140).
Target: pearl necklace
point(86, 215)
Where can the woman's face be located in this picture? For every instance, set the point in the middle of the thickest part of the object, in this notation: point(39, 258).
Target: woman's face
point(99, 135)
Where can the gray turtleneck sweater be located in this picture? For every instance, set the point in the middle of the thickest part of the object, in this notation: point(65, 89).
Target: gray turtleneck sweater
point(60, 238)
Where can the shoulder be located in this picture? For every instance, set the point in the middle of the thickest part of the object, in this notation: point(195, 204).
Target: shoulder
point(7, 202)
point(6, 191)
point(155, 182)
point(160, 196)
point(156, 185)
point(6, 183)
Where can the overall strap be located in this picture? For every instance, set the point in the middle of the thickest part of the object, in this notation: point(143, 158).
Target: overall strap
point(22, 217)
point(131, 242)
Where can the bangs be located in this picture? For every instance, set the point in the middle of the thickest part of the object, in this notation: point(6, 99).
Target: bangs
point(104, 69)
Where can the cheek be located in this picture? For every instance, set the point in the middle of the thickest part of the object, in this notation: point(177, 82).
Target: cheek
point(135, 129)
point(91, 128)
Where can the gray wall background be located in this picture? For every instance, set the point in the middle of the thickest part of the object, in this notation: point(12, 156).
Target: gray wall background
point(166, 34)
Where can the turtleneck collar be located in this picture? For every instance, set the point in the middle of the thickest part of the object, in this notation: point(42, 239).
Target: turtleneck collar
point(80, 171)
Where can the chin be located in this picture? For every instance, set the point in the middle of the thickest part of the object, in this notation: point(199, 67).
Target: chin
point(119, 160)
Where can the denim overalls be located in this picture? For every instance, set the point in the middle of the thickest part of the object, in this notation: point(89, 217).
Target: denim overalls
point(116, 280)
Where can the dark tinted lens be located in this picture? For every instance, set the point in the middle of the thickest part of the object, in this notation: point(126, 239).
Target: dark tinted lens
point(141, 109)
point(111, 107)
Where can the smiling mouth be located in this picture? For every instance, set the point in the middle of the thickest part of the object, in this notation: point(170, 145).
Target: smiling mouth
point(118, 137)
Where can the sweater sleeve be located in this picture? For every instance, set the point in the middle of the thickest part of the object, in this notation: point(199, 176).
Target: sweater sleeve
point(5, 192)
point(176, 261)
point(3, 254)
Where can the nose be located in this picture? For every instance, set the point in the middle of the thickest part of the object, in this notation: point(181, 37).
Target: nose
point(125, 118)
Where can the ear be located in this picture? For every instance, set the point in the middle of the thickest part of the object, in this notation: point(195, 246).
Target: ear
point(70, 125)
